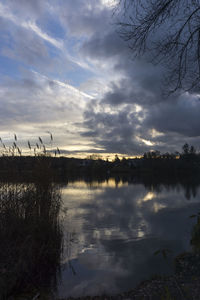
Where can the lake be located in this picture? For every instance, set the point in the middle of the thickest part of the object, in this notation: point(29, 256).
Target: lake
point(113, 228)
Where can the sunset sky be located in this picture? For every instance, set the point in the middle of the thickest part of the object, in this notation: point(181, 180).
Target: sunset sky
point(64, 69)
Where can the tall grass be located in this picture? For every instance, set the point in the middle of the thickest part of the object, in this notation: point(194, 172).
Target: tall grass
point(30, 232)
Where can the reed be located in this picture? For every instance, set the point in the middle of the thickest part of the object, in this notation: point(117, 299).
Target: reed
point(30, 230)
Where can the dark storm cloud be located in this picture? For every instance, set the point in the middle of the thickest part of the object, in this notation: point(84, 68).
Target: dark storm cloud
point(181, 116)
point(140, 76)
point(174, 118)
point(127, 91)
point(114, 131)
point(104, 45)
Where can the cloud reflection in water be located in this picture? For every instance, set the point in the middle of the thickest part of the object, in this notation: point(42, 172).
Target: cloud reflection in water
point(118, 228)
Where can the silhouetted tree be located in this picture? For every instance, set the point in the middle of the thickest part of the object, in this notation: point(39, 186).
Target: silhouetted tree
point(145, 155)
point(186, 149)
point(168, 31)
point(152, 154)
point(117, 160)
point(192, 150)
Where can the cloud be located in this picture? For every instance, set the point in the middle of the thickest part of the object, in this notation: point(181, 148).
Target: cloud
point(37, 103)
point(105, 45)
point(114, 130)
point(7, 13)
point(23, 40)
point(28, 9)
point(137, 94)
point(27, 48)
point(83, 18)
point(180, 116)
point(123, 110)
point(43, 35)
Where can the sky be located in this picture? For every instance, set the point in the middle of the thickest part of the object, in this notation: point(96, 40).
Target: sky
point(65, 70)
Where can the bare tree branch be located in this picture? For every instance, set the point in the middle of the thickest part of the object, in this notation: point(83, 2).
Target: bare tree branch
point(167, 32)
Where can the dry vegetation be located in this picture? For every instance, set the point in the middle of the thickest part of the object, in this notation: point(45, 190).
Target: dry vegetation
point(30, 232)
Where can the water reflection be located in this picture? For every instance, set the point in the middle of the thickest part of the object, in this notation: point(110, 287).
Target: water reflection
point(119, 227)
point(101, 237)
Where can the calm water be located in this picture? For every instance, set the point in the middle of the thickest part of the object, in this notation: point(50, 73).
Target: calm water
point(111, 232)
